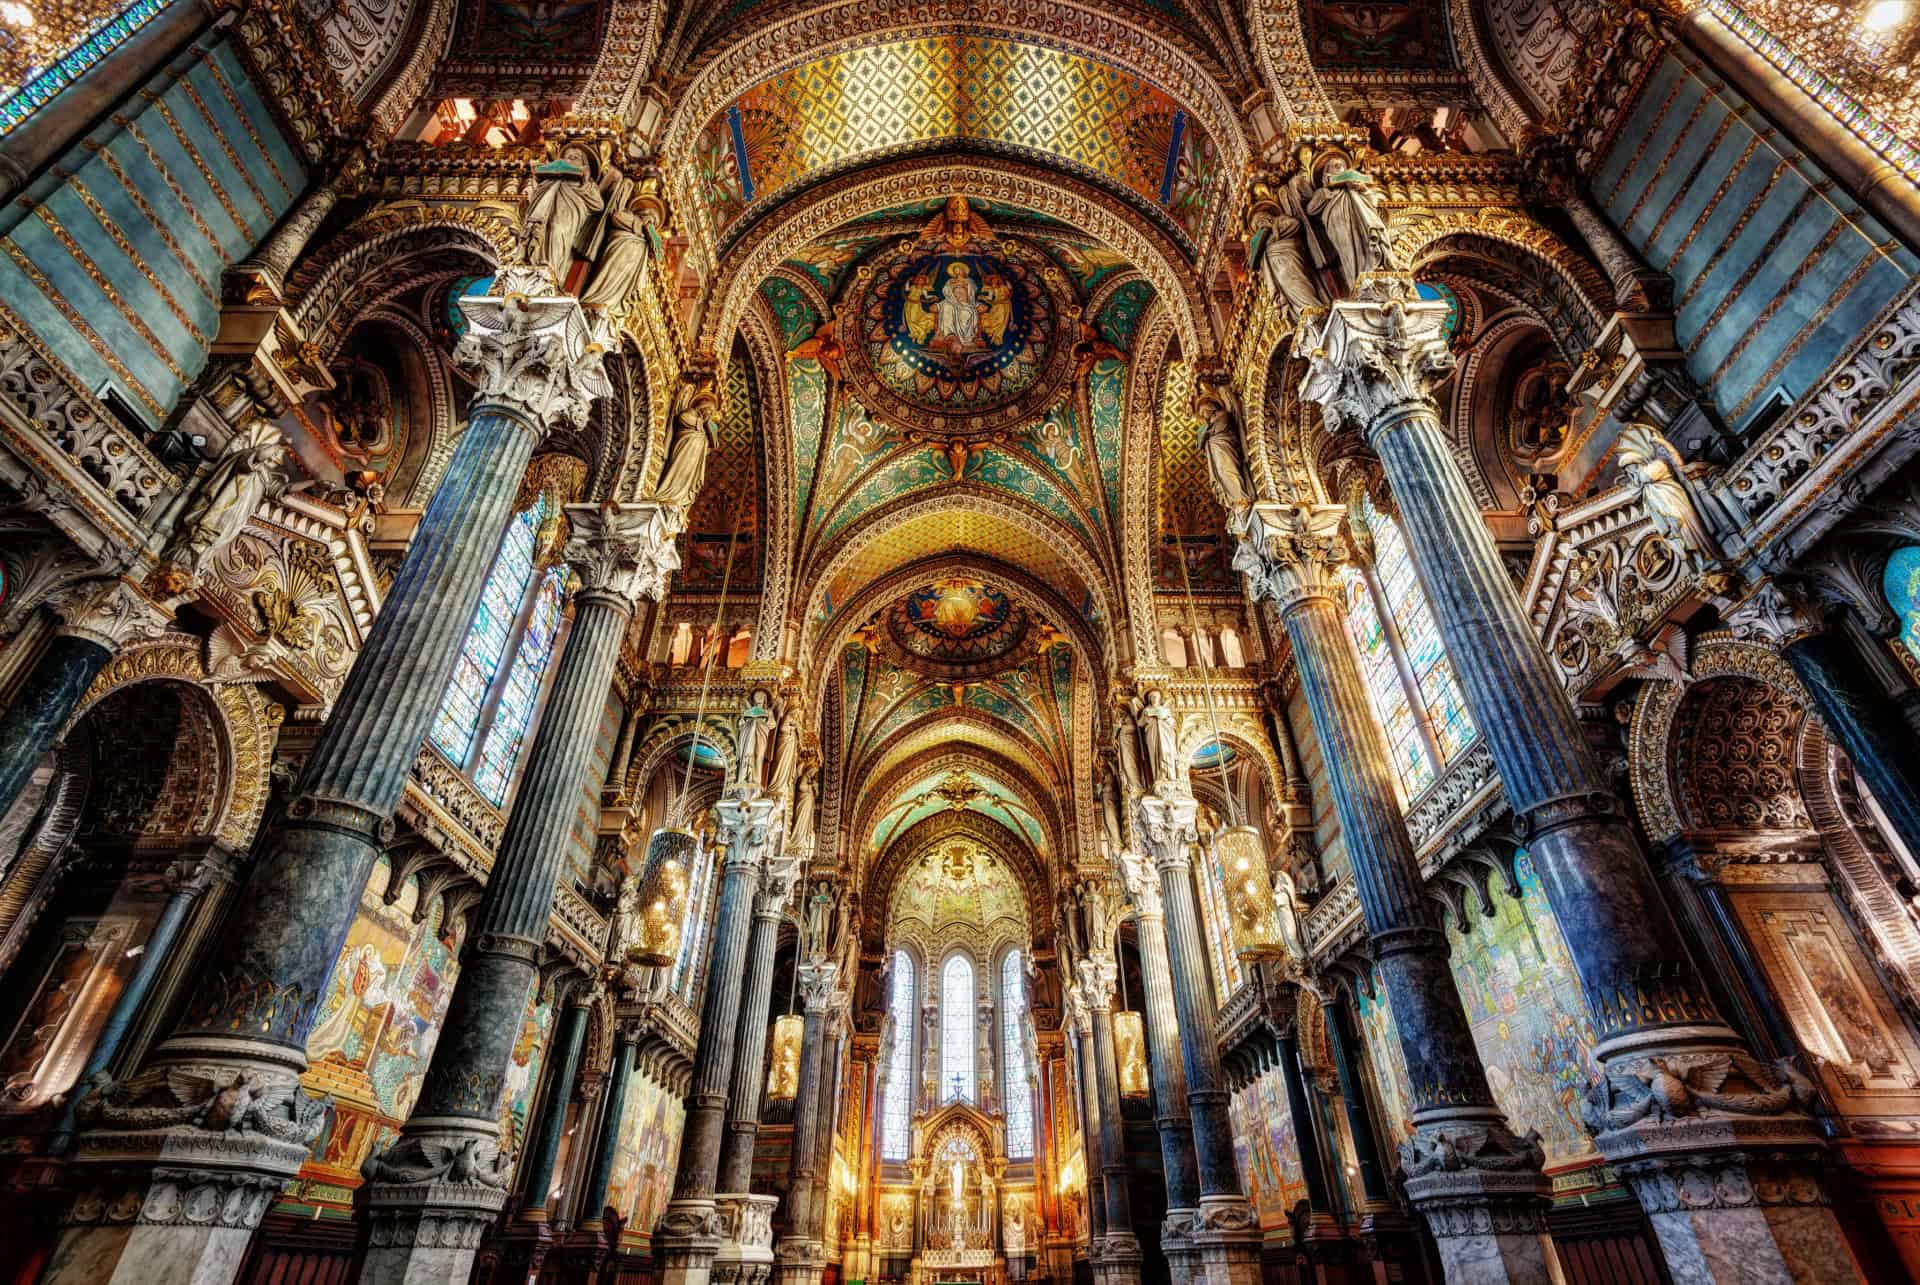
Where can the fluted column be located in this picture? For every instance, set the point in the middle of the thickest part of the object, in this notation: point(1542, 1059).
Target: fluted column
point(1479, 1186)
point(247, 1024)
point(749, 1085)
point(454, 1126)
point(1373, 362)
point(1119, 1261)
point(543, 1147)
point(1081, 1019)
point(593, 1200)
point(688, 1235)
point(1170, 1108)
point(800, 1256)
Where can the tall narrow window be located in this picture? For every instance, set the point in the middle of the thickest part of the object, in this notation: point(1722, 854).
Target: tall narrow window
point(894, 1110)
point(1390, 703)
point(699, 891)
point(956, 1030)
point(1432, 671)
point(496, 680)
point(1213, 904)
point(1013, 1058)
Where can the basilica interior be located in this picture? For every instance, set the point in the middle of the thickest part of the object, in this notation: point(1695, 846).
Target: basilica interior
point(831, 642)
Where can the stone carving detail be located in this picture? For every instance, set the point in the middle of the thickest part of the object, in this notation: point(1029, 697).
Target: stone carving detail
point(623, 549)
point(168, 1196)
point(1291, 553)
point(1384, 348)
point(1678, 1086)
point(183, 1095)
point(532, 351)
point(249, 470)
point(1454, 1148)
point(470, 1161)
point(72, 421)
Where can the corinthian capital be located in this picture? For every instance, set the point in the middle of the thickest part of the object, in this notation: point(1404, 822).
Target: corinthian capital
point(1292, 552)
point(1098, 977)
point(626, 550)
point(1776, 614)
point(1379, 352)
point(747, 827)
point(1167, 827)
point(1143, 884)
point(819, 986)
point(532, 350)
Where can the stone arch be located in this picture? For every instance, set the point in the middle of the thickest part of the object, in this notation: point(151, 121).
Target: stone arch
point(667, 740)
point(772, 418)
point(905, 852)
point(880, 795)
point(1583, 299)
point(761, 247)
point(1140, 478)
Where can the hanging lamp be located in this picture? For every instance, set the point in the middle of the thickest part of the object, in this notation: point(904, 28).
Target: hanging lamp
point(1240, 848)
point(783, 1061)
point(671, 848)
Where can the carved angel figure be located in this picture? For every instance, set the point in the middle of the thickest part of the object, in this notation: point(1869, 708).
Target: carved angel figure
point(1649, 464)
point(786, 757)
point(247, 472)
point(623, 259)
point(1348, 206)
point(1220, 442)
point(693, 441)
point(1286, 267)
point(564, 197)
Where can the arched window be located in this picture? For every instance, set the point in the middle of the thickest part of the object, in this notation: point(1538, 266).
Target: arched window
point(496, 681)
point(1415, 694)
point(1013, 1058)
point(956, 1030)
point(894, 1110)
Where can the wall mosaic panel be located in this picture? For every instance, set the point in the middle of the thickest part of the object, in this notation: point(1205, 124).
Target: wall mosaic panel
point(1266, 1149)
point(644, 1156)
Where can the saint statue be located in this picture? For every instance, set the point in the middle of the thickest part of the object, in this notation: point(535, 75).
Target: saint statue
point(1649, 464)
point(1110, 818)
point(1348, 206)
point(1286, 903)
point(1286, 267)
point(1157, 729)
point(750, 740)
point(786, 757)
point(801, 829)
point(693, 440)
point(1126, 753)
point(563, 199)
point(1221, 444)
point(247, 472)
point(623, 258)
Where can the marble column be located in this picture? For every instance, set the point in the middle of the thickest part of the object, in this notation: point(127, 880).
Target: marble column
point(1120, 1259)
point(95, 622)
point(1479, 1186)
point(1080, 1017)
point(243, 1037)
point(1225, 1229)
point(1353, 1091)
point(155, 952)
point(749, 1084)
point(446, 1171)
point(1169, 1074)
point(550, 1126)
point(800, 1257)
point(1373, 362)
point(593, 1198)
point(689, 1232)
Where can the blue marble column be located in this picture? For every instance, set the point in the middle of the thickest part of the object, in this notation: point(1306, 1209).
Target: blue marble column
point(800, 1256)
point(749, 1085)
point(458, 1111)
point(1169, 1072)
point(1120, 1258)
point(1864, 723)
point(1479, 1186)
point(243, 1034)
point(1353, 1091)
point(688, 1235)
point(1373, 363)
point(1081, 1019)
point(593, 1200)
point(543, 1147)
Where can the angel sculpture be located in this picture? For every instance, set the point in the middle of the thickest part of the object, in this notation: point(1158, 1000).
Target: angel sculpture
point(249, 470)
point(1649, 464)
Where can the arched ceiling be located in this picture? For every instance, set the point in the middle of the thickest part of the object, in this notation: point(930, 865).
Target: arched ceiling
point(957, 885)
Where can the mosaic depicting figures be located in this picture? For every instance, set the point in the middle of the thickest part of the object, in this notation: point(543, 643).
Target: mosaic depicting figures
point(1529, 1020)
point(1267, 1150)
point(1382, 1037)
point(644, 1155)
point(375, 1033)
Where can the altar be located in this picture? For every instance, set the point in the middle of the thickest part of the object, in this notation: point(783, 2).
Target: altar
point(958, 1163)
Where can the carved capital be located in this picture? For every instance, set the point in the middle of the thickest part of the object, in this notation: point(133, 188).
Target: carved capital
point(1377, 355)
point(747, 826)
point(1292, 553)
point(623, 550)
point(1167, 827)
point(1775, 615)
point(1143, 884)
point(112, 613)
point(819, 986)
point(532, 350)
point(776, 885)
point(1099, 977)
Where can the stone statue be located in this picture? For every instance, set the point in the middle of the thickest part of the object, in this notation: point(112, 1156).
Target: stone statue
point(1650, 466)
point(803, 804)
point(750, 740)
point(1110, 817)
point(1348, 206)
point(623, 259)
point(786, 757)
point(693, 440)
point(1286, 267)
point(1126, 751)
point(1221, 444)
point(1286, 902)
point(563, 200)
point(247, 472)
point(1158, 731)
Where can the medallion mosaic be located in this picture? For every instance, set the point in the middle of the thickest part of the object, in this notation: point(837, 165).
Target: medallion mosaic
point(957, 622)
point(958, 332)
point(795, 315)
point(980, 89)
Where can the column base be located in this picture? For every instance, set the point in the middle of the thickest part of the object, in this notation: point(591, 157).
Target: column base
point(1489, 1226)
point(521, 1253)
point(1227, 1234)
point(686, 1241)
point(1120, 1259)
point(429, 1201)
point(745, 1255)
point(176, 1205)
point(1176, 1243)
point(799, 1262)
point(1734, 1198)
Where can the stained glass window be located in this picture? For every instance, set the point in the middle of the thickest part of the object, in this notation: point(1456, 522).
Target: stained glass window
point(1013, 1058)
point(55, 45)
point(697, 897)
point(1901, 583)
point(1439, 690)
point(894, 1110)
point(956, 1030)
point(510, 722)
point(1391, 704)
point(1213, 908)
point(487, 637)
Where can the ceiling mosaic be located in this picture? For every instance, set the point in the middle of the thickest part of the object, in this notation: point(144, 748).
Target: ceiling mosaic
point(1373, 35)
point(957, 87)
point(500, 45)
point(1192, 523)
point(958, 884)
point(958, 624)
point(957, 790)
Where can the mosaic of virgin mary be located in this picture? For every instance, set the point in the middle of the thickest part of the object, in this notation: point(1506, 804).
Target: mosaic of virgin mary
point(958, 331)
